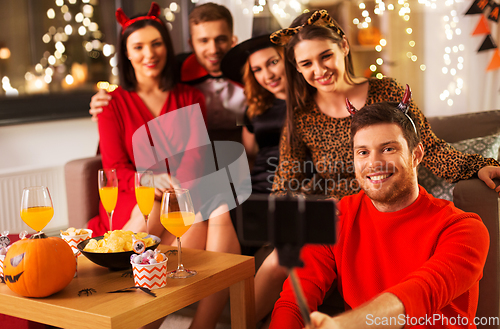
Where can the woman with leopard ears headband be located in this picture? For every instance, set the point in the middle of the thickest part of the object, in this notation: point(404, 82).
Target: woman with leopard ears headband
point(320, 76)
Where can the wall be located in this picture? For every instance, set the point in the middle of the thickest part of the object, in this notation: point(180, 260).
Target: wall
point(481, 89)
point(42, 147)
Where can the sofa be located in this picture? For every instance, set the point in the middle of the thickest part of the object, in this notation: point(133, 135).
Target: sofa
point(469, 195)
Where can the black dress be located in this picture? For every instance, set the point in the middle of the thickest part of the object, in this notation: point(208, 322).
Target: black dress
point(267, 130)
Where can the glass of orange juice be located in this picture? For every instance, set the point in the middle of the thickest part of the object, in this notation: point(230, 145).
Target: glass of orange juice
point(36, 207)
point(108, 192)
point(145, 193)
point(177, 216)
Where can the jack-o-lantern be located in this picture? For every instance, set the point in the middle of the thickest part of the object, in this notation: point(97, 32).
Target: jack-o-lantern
point(39, 266)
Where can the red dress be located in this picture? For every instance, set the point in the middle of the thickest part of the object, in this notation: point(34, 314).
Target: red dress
point(429, 254)
point(127, 114)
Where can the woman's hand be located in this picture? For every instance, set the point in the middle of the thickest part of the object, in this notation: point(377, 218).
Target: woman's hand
point(486, 174)
point(164, 182)
point(97, 102)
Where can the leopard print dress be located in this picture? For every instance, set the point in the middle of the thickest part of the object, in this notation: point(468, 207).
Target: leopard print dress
point(327, 140)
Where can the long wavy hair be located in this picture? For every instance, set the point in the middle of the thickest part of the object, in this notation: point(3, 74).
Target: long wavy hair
point(259, 99)
point(299, 92)
point(169, 76)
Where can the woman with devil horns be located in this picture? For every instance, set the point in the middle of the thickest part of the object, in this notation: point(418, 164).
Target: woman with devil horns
point(320, 76)
point(149, 115)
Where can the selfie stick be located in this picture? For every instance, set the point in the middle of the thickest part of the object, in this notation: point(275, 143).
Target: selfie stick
point(288, 254)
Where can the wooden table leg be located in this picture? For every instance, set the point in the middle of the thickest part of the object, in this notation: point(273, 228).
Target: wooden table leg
point(242, 299)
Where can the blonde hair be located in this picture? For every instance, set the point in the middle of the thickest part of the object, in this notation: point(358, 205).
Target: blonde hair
point(259, 99)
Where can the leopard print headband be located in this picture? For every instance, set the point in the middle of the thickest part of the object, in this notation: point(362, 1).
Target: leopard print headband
point(318, 18)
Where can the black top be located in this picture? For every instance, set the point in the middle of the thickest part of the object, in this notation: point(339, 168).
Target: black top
point(267, 130)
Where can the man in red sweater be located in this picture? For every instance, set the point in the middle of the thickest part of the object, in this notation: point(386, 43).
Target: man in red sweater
point(402, 257)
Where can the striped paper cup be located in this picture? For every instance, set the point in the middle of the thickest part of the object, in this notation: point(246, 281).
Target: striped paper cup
point(2, 258)
point(151, 276)
point(74, 240)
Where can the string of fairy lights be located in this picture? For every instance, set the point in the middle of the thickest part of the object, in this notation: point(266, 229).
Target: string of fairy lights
point(78, 17)
point(452, 55)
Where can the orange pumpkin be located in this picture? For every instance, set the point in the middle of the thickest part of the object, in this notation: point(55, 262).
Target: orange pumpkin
point(39, 267)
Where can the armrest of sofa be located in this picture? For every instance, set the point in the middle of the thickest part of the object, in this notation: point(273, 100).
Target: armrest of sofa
point(473, 195)
point(81, 190)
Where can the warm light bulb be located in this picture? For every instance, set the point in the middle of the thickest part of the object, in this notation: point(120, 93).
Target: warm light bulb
point(68, 29)
point(51, 13)
point(69, 79)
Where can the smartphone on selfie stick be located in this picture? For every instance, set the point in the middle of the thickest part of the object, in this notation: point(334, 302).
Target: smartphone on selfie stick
point(287, 222)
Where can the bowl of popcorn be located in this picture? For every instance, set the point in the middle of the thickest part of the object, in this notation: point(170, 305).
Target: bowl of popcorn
point(114, 249)
point(74, 236)
point(150, 269)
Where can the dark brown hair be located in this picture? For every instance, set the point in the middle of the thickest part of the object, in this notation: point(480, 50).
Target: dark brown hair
point(386, 112)
point(128, 80)
point(299, 92)
point(259, 99)
point(210, 12)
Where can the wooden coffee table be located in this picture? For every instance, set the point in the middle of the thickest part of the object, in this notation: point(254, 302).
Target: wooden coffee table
point(100, 309)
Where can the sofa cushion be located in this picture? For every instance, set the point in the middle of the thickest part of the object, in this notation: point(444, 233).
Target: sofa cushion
point(488, 146)
point(459, 127)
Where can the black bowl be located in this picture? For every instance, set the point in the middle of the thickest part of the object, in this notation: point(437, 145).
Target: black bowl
point(113, 260)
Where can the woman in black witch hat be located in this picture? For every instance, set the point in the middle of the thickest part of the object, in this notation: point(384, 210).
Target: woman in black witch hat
point(258, 64)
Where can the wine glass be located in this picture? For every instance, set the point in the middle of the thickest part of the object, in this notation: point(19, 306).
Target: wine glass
point(177, 216)
point(108, 191)
point(145, 193)
point(36, 207)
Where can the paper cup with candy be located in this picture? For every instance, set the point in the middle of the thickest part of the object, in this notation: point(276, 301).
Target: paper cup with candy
point(74, 236)
point(150, 269)
point(2, 258)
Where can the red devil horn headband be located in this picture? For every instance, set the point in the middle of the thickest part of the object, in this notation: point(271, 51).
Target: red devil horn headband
point(404, 105)
point(350, 107)
point(154, 13)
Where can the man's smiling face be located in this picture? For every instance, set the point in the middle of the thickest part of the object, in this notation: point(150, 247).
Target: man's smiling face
point(385, 167)
point(210, 42)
